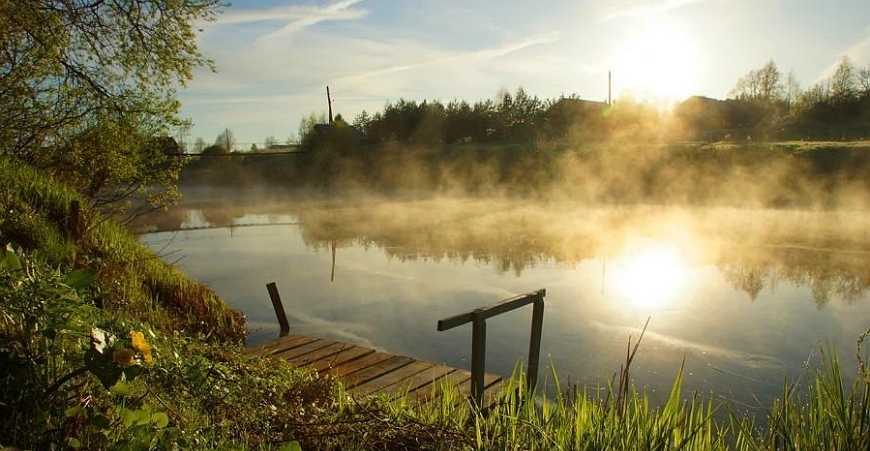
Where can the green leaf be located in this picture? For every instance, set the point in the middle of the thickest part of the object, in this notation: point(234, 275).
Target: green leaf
point(81, 278)
point(10, 260)
point(121, 389)
point(143, 417)
point(73, 443)
point(72, 411)
point(291, 446)
point(101, 422)
point(160, 419)
point(128, 417)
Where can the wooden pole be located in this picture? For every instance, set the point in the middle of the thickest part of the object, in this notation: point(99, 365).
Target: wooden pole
point(478, 358)
point(535, 342)
point(332, 273)
point(279, 308)
point(329, 101)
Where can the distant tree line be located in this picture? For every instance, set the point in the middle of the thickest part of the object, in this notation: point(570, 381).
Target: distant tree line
point(512, 117)
point(767, 105)
point(764, 104)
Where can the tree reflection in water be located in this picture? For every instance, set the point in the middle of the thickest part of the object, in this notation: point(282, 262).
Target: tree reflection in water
point(825, 251)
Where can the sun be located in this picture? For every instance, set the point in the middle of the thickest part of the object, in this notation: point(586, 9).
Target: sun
point(656, 61)
point(650, 278)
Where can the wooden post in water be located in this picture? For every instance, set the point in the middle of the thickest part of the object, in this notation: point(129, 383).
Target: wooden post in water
point(535, 341)
point(478, 357)
point(279, 308)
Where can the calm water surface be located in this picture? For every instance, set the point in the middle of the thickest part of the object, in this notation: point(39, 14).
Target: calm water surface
point(744, 297)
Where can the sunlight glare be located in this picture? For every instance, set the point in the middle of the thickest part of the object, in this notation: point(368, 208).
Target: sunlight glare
point(657, 62)
point(651, 278)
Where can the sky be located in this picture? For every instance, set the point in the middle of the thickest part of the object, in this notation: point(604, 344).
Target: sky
point(275, 58)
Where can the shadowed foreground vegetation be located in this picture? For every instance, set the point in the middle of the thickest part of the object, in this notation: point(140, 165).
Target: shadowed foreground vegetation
point(103, 346)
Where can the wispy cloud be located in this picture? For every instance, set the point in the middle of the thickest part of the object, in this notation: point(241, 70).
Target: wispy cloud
point(648, 10)
point(476, 55)
point(297, 17)
point(859, 53)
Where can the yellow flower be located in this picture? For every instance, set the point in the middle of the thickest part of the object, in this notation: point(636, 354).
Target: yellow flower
point(124, 357)
point(139, 343)
point(138, 340)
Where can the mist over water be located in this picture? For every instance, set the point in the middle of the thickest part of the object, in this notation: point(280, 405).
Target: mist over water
point(744, 295)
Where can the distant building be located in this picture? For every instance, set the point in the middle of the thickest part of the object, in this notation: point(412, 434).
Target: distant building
point(573, 117)
point(281, 148)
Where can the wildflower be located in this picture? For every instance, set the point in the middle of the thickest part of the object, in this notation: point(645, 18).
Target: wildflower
point(141, 345)
point(124, 357)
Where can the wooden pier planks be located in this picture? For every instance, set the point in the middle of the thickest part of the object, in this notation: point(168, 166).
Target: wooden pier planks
point(366, 371)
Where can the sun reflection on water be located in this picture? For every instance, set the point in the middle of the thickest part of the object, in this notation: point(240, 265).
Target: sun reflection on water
point(650, 278)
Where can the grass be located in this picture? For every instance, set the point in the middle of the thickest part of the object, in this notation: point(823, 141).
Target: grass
point(131, 278)
point(104, 346)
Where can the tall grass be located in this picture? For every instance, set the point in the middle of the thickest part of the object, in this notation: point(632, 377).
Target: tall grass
point(816, 412)
point(36, 216)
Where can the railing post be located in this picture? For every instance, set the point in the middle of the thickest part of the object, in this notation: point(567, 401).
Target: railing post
point(279, 308)
point(478, 357)
point(535, 342)
point(477, 318)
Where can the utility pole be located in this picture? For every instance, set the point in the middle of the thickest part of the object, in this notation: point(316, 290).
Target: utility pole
point(609, 99)
point(329, 101)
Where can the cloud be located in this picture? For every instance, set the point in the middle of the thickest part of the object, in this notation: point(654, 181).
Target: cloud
point(476, 55)
point(648, 10)
point(296, 17)
point(859, 53)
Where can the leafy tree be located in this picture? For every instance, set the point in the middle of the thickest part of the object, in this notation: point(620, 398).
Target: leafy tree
point(114, 164)
point(270, 141)
point(99, 79)
point(226, 140)
point(363, 121)
point(762, 85)
point(307, 124)
point(863, 80)
point(843, 82)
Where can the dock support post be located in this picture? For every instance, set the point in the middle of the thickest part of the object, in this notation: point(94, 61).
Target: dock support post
point(478, 358)
point(279, 308)
point(535, 342)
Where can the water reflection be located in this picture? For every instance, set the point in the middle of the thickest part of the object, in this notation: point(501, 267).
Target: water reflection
point(827, 252)
point(743, 296)
point(650, 277)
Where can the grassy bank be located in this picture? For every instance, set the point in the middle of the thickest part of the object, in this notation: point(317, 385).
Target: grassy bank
point(104, 346)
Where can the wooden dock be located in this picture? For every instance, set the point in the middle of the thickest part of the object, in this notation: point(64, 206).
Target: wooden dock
point(366, 371)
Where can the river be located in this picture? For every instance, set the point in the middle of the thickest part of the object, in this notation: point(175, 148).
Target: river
point(744, 299)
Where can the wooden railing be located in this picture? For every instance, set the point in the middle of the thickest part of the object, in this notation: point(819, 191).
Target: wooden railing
point(478, 317)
